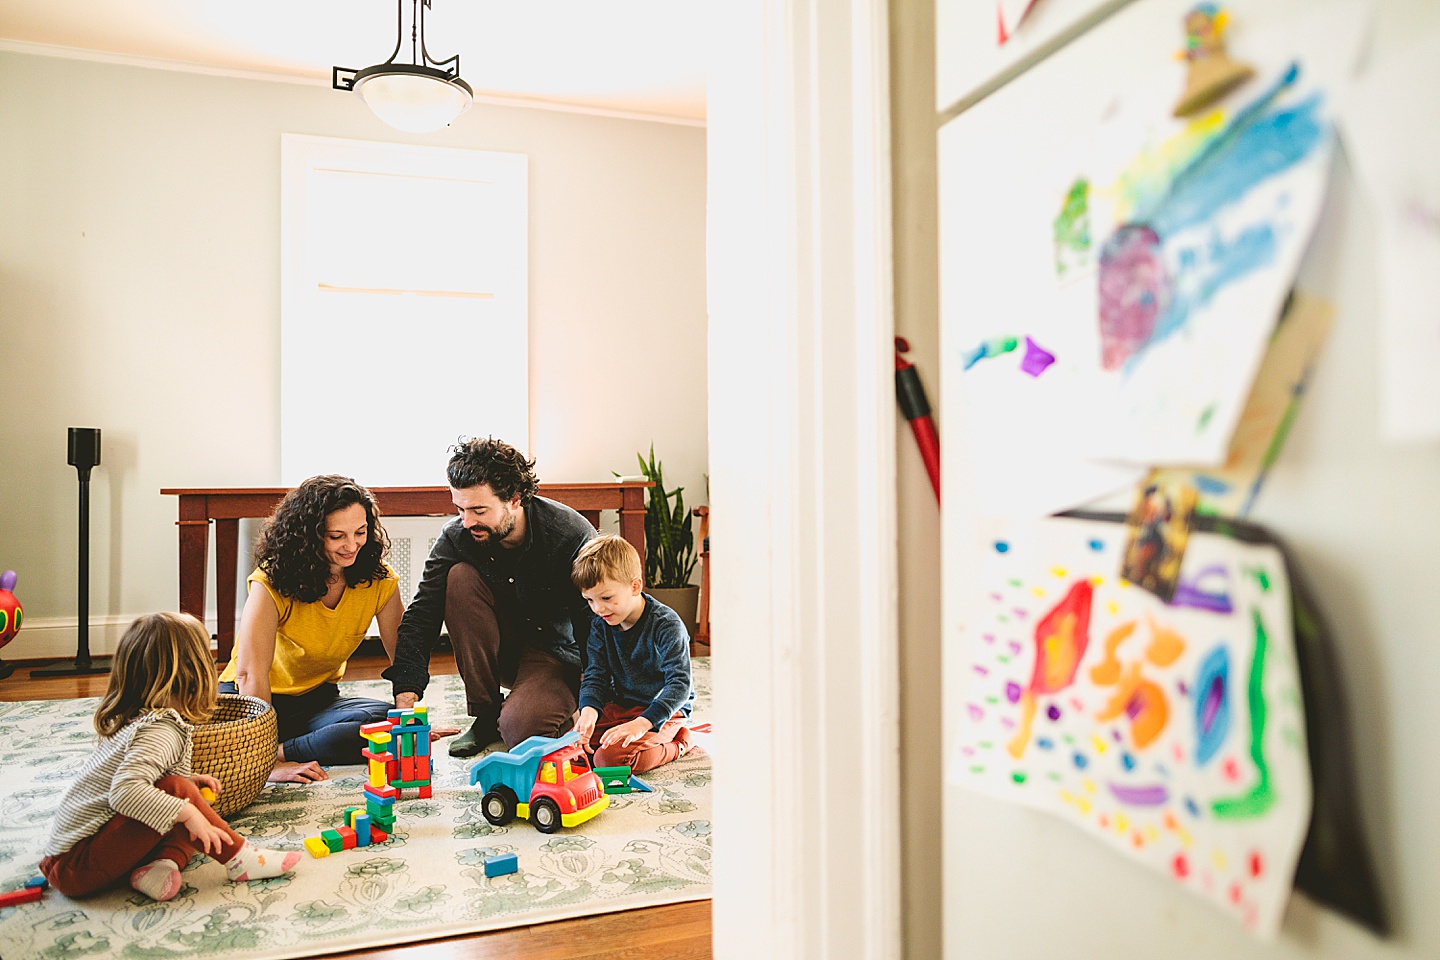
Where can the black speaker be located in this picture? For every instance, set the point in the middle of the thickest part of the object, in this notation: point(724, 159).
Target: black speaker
point(84, 454)
point(84, 448)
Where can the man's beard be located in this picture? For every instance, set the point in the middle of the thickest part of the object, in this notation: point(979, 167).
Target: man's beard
point(499, 533)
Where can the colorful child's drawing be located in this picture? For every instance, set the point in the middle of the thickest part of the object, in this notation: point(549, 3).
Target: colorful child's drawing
point(1159, 528)
point(1199, 234)
point(1072, 231)
point(1174, 732)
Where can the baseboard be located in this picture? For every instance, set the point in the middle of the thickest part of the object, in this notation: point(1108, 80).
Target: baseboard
point(55, 638)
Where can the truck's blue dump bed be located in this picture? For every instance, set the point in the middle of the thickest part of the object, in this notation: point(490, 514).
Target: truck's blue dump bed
point(517, 768)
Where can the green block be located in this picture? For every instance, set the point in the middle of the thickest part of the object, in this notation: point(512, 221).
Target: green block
point(333, 840)
point(614, 779)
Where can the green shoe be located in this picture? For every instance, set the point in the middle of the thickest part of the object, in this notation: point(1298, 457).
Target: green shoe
point(481, 734)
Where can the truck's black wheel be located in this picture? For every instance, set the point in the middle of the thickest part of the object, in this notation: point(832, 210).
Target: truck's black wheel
point(545, 814)
point(499, 806)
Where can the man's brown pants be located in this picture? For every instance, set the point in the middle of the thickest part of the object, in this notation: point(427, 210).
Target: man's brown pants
point(490, 654)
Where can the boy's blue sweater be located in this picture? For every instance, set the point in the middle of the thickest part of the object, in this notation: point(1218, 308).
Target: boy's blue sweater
point(647, 665)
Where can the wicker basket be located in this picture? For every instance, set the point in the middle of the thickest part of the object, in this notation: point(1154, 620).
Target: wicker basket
point(237, 747)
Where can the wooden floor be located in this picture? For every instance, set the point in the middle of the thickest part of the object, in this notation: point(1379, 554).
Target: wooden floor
point(678, 932)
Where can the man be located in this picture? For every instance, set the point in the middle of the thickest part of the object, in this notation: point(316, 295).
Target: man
point(499, 577)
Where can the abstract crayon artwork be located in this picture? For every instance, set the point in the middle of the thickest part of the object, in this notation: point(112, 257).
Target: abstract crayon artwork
point(1174, 732)
point(1199, 227)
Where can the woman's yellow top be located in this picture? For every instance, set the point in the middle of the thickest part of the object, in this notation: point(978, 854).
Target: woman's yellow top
point(314, 642)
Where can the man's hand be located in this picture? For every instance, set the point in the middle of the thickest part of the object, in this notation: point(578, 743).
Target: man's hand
point(406, 700)
point(287, 771)
point(626, 733)
point(437, 732)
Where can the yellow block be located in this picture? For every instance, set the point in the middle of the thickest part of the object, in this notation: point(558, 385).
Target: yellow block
point(208, 795)
point(377, 774)
point(317, 847)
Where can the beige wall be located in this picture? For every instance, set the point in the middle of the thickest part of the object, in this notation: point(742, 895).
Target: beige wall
point(139, 292)
point(913, 119)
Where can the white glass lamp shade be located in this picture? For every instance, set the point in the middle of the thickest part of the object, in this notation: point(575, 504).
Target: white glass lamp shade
point(413, 101)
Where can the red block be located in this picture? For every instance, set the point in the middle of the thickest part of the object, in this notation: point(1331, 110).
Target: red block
point(382, 727)
point(24, 895)
point(377, 835)
point(425, 791)
point(347, 837)
point(422, 768)
point(385, 758)
point(386, 792)
point(407, 769)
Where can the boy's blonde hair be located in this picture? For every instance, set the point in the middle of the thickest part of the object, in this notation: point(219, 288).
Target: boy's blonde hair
point(162, 661)
point(606, 557)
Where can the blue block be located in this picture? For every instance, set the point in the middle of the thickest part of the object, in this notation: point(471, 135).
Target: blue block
point(422, 744)
point(40, 882)
point(362, 829)
point(637, 784)
point(501, 864)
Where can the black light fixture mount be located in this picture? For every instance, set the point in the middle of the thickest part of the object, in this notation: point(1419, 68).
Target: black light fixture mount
point(421, 96)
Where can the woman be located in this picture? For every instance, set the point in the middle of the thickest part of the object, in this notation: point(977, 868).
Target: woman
point(320, 580)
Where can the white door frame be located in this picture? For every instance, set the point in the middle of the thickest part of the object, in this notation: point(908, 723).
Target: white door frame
point(802, 485)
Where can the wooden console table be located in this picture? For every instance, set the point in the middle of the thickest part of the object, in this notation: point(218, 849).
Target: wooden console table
point(227, 507)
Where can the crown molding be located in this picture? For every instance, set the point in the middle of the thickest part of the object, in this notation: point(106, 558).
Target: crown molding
point(277, 76)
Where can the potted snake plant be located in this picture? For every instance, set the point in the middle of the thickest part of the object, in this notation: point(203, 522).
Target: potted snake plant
point(670, 555)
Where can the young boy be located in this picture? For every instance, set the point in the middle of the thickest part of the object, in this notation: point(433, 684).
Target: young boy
point(636, 691)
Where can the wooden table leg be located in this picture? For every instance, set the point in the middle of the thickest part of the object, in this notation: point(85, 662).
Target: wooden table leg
point(592, 515)
point(227, 544)
point(194, 547)
point(632, 519)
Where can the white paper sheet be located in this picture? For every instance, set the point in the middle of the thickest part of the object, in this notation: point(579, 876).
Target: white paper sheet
point(1390, 121)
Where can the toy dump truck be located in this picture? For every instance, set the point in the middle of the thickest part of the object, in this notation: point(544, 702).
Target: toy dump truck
point(546, 780)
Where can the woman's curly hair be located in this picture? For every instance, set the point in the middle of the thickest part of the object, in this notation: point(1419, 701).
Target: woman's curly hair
point(291, 548)
point(493, 462)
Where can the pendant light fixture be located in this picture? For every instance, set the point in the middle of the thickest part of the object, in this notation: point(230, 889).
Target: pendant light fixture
point(420, 96)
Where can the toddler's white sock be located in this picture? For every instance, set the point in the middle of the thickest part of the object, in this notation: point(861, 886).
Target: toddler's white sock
point(158, 880)
point(252, 863)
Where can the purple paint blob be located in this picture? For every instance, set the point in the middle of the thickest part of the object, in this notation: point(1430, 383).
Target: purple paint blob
point(1020, 614)
point(989, 638)
point(975, 712)
point(1007, 723)
point(968, 751)
point(1012, 692)
point(1151, 796)
point(1134, 292)
point(983, 671)
point(1053, 712)
point(1015, 646)
point(1116, 735)
point(1037, 358)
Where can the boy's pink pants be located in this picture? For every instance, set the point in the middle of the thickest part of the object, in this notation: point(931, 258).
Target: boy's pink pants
point(107, 856)
point(645, 752)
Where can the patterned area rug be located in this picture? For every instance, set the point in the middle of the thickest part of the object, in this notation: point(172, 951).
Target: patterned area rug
point(646, 849)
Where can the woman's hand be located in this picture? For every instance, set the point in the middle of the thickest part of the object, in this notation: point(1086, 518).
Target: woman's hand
point(288, 771)
point(626, 733)
point(206, 835)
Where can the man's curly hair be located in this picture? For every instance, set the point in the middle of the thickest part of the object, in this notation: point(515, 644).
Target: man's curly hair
point(494, 462)
point(291, 548)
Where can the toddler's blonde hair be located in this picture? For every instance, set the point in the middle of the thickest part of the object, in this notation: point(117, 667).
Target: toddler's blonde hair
point(163, 660)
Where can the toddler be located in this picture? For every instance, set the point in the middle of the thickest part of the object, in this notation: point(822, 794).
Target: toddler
point(135, 807)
